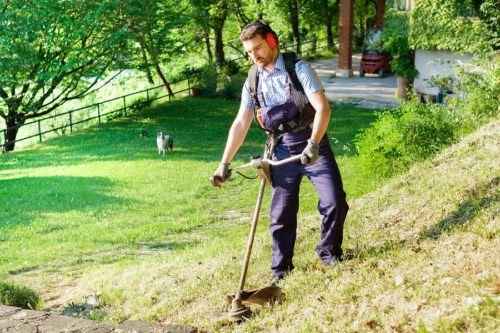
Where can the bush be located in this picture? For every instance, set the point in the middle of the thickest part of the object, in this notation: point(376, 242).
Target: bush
point(141, 103)
point(232, 87)
point(481, 85)
point(206, 81)
point(395, 41)
point(19, 296)
point(230, 68)
point(402, 136)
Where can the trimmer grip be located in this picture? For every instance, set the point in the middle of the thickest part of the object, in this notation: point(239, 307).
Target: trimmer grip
point(215, 181)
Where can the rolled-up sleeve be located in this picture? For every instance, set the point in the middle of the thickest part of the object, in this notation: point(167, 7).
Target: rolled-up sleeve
point(308, 77)
point(246, 99)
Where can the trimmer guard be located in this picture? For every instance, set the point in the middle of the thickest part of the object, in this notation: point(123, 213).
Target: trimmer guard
point(257, 298)
point(264, 172)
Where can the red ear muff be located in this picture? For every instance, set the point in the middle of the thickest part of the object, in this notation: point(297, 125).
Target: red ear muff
point(271, 40)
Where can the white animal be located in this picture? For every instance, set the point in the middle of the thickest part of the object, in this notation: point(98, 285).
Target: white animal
point(164, 143)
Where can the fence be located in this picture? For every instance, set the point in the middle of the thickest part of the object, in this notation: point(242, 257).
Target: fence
point(37, 130)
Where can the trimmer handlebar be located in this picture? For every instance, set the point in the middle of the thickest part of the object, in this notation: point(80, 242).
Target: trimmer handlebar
point(258, 162)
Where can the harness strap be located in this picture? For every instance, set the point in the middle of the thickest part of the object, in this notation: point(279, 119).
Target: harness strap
point(290, 58)
point(305, 116)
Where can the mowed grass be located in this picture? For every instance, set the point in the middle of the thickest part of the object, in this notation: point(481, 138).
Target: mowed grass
point(104, 196)
point(99, 213)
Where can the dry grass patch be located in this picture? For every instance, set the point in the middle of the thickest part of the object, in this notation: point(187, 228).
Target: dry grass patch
point(423, 258)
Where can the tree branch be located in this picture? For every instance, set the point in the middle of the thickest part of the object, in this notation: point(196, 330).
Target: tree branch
point(4, 95)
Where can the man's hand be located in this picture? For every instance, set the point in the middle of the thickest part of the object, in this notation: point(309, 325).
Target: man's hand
point(220, 175)
point(310, 153)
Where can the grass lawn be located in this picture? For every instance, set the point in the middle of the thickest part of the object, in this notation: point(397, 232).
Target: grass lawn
point(100, 213)
point(104, 195)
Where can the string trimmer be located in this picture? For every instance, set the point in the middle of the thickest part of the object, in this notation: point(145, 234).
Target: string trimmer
point(243, 302)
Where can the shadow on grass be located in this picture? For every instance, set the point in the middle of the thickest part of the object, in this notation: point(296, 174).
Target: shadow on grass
point(24, 199)
point(477, 200)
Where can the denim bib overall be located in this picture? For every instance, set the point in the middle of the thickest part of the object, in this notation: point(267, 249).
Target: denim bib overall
point(323, 174)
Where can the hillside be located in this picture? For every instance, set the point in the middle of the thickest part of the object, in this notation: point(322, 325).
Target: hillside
point(152, 239)
point(422, 257)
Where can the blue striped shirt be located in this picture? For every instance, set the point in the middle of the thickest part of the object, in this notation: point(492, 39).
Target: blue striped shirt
point(274, 85)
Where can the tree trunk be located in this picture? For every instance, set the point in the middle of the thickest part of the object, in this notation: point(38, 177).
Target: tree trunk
point(294, 20)
point(328, 15)
point(156, 64)
point(260, 10)
point(329, 36)
point(146, 64)
point(403, 87)
point(163, 79)
point(13, 122)
point(206, 37)
point(219, 46)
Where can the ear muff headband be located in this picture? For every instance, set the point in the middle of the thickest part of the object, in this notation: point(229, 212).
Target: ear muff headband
point(271, 40)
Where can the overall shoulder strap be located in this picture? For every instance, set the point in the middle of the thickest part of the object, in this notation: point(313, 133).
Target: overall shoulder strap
point(253, 74)
point(291, 59)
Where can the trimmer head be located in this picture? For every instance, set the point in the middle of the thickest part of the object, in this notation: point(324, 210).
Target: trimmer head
point(252, 300)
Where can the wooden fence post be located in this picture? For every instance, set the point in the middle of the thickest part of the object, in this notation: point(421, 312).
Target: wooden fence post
point(39, 132)
point(99, 113)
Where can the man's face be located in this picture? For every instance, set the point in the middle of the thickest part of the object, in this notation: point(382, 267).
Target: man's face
point(259, 51)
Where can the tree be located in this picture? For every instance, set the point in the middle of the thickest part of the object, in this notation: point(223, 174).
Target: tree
point(291, 10)
point(155, 26)
point(326, 11)
point(52, 52)
point(212, 14)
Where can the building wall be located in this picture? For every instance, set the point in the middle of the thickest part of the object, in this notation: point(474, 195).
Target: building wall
point(431, 63)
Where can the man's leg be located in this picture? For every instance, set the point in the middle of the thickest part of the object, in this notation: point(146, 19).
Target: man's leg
point(284, 206)
point(325, 177)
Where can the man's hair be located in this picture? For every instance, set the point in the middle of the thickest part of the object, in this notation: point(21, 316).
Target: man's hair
point(259, 27)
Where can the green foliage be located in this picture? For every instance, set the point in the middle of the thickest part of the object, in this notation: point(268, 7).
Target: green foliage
point(395, 40)
point(206, 80)
point(141, 103)
point(232, 87)
point(443, 82)
point(481, 84)
point(23, 297)
point(451, 25)
point(400, 137)
point(230, 68)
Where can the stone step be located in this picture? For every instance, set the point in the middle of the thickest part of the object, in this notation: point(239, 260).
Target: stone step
point(19, 320)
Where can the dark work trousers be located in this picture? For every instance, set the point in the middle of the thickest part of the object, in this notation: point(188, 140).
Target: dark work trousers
point(325, 177)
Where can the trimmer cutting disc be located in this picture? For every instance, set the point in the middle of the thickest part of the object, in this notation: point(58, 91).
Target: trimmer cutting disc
point(252, 300)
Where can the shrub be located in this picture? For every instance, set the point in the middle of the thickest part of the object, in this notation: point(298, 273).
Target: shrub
point(141, 103)
point(232, 87)
point(481, 85)
point(395, 41)
point(402, 136)
point(230, 68)
point(206, 81)
point(19, 296)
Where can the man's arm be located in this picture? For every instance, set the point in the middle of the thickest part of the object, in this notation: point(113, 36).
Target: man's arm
point(322, 118)
point(237, 133)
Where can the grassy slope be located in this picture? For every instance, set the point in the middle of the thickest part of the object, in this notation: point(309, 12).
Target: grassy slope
point(423, 258)
point(104, 196)
point(168, 248)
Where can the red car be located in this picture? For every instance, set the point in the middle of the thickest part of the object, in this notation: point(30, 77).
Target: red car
point(374, 60)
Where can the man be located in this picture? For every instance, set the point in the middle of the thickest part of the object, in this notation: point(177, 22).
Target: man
point(277, 100)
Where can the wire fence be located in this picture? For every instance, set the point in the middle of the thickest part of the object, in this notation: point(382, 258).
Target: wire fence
point(69, 121)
